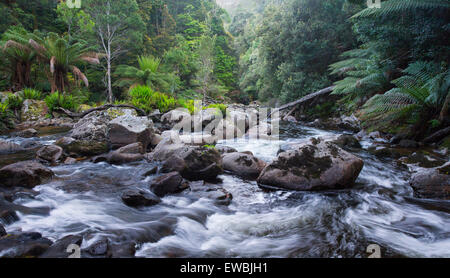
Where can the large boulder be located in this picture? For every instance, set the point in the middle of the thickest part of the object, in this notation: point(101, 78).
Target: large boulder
point(432, 183)
point(195, 163)
point(168, 184)
point(317, 166)
point(24, 174)
point(130, 153)
point(243, 165)
point(92, 127)
point(33, 110)
point(139, 198)
point(51, 153)
point(82, 148)
point(129, 129)
point(27, 133)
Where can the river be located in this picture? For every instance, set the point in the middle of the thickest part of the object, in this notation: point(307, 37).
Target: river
point(85, 199)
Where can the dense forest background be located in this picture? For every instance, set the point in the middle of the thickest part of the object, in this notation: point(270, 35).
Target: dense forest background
point(390, 65)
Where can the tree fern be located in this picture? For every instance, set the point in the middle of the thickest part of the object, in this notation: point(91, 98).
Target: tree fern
point(391, 7)
point(422, 90)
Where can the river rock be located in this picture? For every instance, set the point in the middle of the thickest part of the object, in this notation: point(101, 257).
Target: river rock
point(320, 165)
point(156, 139)
point(243, 165)
point(129, 129)
point(195, 163)
point(33, 110)
point(8, 216)
point(225, 149)
point(219, 195)
point(130, 153)
point(7, 147)
point(176, 116)
point(59, 249)
point(51, 153)
point(24, 174)
point(432, 183)
point(92, 127)
point(139, 198)
point(170, 145)
point(26, 245)
point(206, 117)
point(347, 141)
point(70, 161)
point(27, 133)
point(168, 184)
point(80, 148)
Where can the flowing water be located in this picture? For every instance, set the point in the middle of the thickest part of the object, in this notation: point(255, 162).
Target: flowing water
point(380, 209)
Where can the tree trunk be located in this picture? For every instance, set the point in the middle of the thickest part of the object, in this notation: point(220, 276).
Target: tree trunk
point(108, 76)
point(444, 112)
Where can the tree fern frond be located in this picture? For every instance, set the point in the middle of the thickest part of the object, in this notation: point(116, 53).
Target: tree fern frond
point(391, 7)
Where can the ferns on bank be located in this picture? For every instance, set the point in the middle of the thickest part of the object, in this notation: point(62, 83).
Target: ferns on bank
point(421, 91)
point(391, 7)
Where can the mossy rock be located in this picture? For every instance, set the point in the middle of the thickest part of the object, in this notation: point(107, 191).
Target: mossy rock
point(77, 148)
point(33, 110)
point(114, 113)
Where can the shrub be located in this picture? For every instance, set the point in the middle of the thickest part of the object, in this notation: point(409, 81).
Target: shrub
point(14, 102)
point(29, 93)
point(56, 100)
point(145, 98)
point(188, 104)
point(6, 117)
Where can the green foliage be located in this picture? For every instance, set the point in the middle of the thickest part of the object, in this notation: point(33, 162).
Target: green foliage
point(145, 98)
point(418, 95)
point(6, 117)
point(284, 53)
point(219, 106)
point(149, 73)
point(29, 93)
point(393, 7)
point(188, 104)
point(14, 102)
point(57, 100)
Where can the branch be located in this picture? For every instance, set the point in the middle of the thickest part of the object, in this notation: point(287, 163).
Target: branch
point(437, 135)
point(305, 98)
point(100, 108)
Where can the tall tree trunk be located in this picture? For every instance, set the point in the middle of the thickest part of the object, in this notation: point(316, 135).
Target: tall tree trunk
point(108, 73)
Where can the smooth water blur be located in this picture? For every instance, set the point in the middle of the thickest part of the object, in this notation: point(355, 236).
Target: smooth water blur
point(85, 199)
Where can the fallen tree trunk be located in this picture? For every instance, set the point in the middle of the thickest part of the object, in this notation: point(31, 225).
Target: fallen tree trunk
point(441, 134)
point(100, 108)
point(305, 99)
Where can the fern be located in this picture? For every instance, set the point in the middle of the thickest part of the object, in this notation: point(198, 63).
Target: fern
point(391, 7)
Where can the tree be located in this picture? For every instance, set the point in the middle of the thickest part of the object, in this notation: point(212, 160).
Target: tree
point(148, 73)
point(18, 57)
point(59, 57)
point(205, 53)
point(117, 26)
